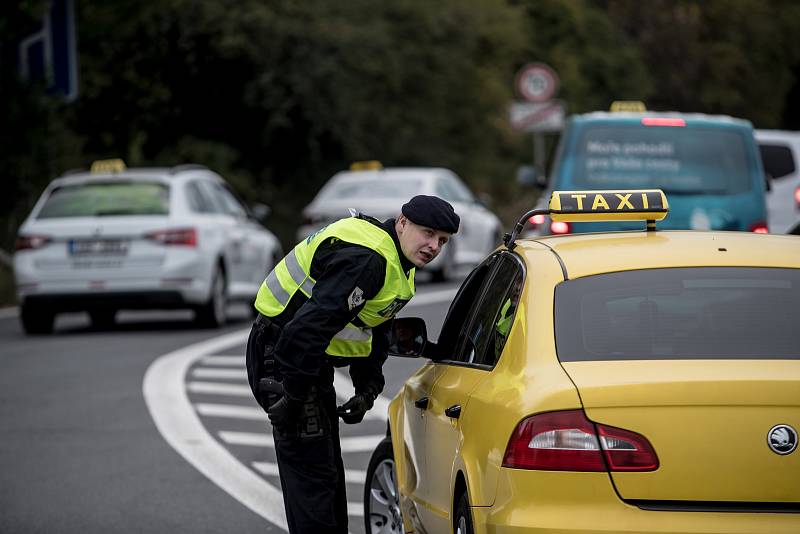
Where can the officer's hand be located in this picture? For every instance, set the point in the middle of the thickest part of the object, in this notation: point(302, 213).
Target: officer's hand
point(353, 410)
point(284, 412)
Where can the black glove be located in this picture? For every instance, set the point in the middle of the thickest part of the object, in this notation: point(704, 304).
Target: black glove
point(285, 412)
point(353, 410)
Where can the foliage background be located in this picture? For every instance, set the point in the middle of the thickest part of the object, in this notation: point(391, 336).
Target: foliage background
point(277, 96)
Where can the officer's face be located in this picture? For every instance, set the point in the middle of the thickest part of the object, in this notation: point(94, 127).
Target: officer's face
point(419, 244)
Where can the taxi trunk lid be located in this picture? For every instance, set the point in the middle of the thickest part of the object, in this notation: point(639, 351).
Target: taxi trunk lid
point(709, 422)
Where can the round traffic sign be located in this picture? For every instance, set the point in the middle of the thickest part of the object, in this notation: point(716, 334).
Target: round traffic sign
point(536, 82)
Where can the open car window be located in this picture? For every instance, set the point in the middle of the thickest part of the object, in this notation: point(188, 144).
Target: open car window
point(481, 315)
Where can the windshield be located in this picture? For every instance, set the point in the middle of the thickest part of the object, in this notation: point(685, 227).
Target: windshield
point(403, 189)
point(682, 313)
point(678, 160)
point(107, 198)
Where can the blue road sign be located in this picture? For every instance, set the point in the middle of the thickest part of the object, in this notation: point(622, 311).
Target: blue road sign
point(49, 54)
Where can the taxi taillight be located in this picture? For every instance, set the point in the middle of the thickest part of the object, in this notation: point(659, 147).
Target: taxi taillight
point(31, 242)
point(174, 236)
point(568, 441)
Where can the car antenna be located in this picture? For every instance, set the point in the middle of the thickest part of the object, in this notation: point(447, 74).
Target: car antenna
point(510, 239)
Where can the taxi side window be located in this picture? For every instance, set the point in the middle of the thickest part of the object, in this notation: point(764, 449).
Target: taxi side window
point(230, 204)
point(450, 344)
point(488, 331)
point(198, 201)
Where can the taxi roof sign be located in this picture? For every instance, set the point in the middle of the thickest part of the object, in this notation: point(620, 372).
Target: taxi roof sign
point(108, 165)
point(370, 165)
point(628, 105)
point(648, 205)
point(621, 205)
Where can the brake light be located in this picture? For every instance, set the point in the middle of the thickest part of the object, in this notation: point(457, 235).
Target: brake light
point(537, 219)
point(31, 242)
point(178, 236)
point(797, 196)
point(560, 227)
point(568, 441)
point(759, 227)
point(662, 121)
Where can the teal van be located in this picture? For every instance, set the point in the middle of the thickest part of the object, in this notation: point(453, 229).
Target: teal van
point(708, 166)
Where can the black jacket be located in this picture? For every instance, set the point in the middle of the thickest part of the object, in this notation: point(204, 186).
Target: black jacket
point(310, 323)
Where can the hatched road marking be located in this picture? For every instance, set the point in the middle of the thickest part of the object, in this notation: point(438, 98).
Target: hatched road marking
point(165, 391)
point(166, 387)
point(224, 374)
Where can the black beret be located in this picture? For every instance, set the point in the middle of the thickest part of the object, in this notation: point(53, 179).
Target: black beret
point(432, 212)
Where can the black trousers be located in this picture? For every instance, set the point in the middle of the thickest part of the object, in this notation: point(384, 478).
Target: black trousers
point(309, 463)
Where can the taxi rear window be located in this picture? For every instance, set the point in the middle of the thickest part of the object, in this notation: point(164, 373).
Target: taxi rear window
point(99, 199)
point(681, 313)
point(677, 160)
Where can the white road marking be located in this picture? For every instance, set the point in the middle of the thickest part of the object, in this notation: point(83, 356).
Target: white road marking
point(165, 394)
point(233, 361)
point(355, 509)
point(250, 439)
point(218, 388)
point(361, 443)
point(180, 426)
point(224, 374)
point(231, 411)
point(260, 439)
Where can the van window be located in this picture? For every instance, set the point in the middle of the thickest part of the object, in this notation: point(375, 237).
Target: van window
point(679, 160)
point(777, 159)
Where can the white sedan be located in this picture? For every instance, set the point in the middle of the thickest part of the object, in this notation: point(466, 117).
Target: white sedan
point(381, 192)
point(146, 238)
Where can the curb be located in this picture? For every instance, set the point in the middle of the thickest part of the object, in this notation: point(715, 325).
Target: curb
point(7, 313)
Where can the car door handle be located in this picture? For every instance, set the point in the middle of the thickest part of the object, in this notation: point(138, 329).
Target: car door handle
point(453, 411)
point(421, 403)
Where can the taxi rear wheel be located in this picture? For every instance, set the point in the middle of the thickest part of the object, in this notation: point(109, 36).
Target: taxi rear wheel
point(463, 518)
point(213, 313)
point(103, 319)
point(36, 320)
point(381, 500)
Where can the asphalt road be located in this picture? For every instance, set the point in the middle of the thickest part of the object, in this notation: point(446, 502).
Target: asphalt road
point(81, 450)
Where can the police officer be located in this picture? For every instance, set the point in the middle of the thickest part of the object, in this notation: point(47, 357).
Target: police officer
point(328, 304)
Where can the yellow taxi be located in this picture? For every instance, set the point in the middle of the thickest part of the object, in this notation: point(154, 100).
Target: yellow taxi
point(624, 382)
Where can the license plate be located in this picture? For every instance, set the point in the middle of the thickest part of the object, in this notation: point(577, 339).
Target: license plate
point(100, 247)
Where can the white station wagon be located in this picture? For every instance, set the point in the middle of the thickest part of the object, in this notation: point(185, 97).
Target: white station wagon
point(141, 238)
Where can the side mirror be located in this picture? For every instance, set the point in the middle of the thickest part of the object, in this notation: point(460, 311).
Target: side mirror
point(260, 211)
point(408, 337)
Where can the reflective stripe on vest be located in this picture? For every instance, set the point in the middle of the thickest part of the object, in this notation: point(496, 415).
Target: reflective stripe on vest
point(505, 320)
point(292, 274)
point(296, 272)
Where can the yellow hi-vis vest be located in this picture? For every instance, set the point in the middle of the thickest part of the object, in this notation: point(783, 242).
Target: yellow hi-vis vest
point(292, 274)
